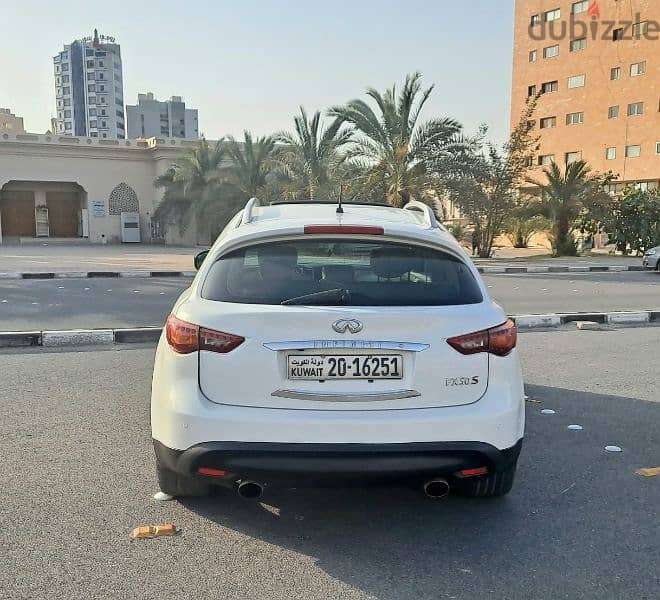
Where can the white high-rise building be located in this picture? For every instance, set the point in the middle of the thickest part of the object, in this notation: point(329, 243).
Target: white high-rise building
point(152, 118)
point(89, 88)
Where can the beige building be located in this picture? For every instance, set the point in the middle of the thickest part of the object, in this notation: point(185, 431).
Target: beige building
point(65, 187)
point(596, 65)
point(10, 122)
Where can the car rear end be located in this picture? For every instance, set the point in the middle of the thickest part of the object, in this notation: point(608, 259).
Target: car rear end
point(337, 355)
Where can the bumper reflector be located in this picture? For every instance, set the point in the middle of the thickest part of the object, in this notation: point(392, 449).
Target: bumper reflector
point(211, 472)
point(474, 472)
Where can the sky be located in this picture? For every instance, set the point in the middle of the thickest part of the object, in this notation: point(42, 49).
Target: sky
point(249, 64)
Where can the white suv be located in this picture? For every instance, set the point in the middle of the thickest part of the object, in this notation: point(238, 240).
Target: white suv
point(321, 345)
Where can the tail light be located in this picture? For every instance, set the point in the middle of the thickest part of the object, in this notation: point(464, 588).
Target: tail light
point(500, 340)
point(185, 338)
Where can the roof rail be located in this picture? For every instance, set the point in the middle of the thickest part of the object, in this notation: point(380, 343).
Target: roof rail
point(429, 215)
point(247, 211)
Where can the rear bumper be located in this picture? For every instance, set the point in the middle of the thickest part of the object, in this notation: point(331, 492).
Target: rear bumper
point(334, 464)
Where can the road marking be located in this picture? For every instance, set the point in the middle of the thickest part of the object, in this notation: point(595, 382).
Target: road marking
point(575, 427)
point(613, 449)
point(547, 411)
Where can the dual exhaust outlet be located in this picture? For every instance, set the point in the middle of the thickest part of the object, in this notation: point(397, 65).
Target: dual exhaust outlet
point(434, 488)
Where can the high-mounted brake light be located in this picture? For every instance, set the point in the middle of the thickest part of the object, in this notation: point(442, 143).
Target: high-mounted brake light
point(500, 340)
point(345, 229)
point(185, 338)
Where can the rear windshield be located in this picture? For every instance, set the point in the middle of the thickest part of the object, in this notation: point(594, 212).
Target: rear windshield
point(351, 273)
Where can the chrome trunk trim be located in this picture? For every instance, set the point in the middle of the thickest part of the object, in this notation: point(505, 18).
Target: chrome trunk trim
point(349, 344)
point(378, 397)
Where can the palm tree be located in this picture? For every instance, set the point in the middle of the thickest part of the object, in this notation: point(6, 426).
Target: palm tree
point(190, 184)
point(396, 151)
point(310, 159)
point(252, 161)
point(564, 197)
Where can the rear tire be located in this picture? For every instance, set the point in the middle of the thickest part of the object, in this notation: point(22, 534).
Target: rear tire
point(179, 485)
point(492, 485)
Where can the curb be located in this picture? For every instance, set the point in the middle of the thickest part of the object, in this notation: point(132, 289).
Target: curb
point(95, 274)
point(137, 335)
point(562, 269)
point(534, 269)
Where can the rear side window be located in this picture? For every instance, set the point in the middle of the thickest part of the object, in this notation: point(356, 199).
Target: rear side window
point(368, 274)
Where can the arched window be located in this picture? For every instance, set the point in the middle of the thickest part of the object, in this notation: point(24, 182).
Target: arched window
point(123, 199)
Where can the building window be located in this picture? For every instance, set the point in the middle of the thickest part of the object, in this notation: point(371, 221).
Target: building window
point(92, 124)
point(66, 91)
point(580, 7)
point(613, 112)
point(104, 123)
point(610, 154)
point(550, 86)
point(101, 63)
point(576, 118)
point(67, 114)
point(102, 99)
point(576, 81)
point(640, 29)
point(58, 81)
point(637, 69)
point(65, 66)
point(533, 56)
point(90, 64)
point(67, 126)
point(578, 44)
point(546, 159)
point(572, 157)
point(105, 135)
point(103, 112)
point(617, 34)
point(92, 112)
point(635, 109)
point(101, 88)
point(91, 87)
point(91, 76)
point(549, 122)
point(657, 147)
point(536, 20)
point(552, 15)
point(91, 100)
point(93, 134)
point(615, 73)
point(633, 151)
point(100, 76)
point(65, 79)
point(89, 52)
point(57, 68)
point(531, 90)
point(551, 51)
point(67, 101)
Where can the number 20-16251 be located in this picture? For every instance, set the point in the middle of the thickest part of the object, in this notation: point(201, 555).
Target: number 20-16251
point(364, 366)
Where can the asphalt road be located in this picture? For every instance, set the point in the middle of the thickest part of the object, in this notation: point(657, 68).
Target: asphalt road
point(77, 473)
point(86, 303)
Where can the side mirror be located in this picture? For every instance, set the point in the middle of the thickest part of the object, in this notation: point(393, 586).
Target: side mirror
point(199, 259)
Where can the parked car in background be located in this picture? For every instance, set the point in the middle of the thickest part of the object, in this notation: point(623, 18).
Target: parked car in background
point(651, 258)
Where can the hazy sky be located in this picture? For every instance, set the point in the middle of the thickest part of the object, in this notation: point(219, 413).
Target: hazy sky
point(249, 64)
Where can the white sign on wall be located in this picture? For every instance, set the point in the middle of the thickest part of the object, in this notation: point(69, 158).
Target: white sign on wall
point(98, 208)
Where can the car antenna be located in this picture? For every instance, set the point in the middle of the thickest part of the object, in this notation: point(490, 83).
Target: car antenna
point(340, 209)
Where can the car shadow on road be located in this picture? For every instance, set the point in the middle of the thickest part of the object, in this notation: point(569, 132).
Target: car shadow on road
point(574, 525)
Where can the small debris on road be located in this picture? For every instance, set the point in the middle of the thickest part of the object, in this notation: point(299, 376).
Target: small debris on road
point(149, 531)
point(648, 472)
point(532, 400)
point(613, 449)
point(547, 411)
point(162, 497)
point(87, 289)
point(136, 291)
point(575, 427)
point(587, 325)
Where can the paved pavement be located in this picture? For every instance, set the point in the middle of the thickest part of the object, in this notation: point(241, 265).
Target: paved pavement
point(77, 474)
point(71, 303)
point(93, 257)
point(56, 257)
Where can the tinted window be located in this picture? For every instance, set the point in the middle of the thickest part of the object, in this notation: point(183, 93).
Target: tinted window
point(373, 274)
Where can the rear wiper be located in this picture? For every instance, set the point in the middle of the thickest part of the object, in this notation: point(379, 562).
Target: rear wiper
point(336, 296)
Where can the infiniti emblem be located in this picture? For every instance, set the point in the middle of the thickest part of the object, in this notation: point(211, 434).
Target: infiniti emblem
point(344, 325)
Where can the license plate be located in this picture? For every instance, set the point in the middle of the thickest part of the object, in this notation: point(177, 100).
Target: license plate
point(345, 366)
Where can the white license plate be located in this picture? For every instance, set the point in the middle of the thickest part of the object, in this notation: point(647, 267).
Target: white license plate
point(345, 366)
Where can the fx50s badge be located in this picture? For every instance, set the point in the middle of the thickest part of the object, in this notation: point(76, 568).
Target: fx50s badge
point(456, 381)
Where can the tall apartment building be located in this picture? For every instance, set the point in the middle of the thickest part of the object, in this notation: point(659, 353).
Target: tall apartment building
point(153, 118)
point(10, 122)
point(596, 65)
point(89, 88)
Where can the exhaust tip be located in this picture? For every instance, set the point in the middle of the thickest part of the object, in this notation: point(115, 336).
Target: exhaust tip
point(436, 488)
point(250, 490)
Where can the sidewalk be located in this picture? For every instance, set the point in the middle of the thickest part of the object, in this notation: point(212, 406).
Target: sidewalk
point(60, 258)
point(64, 258)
